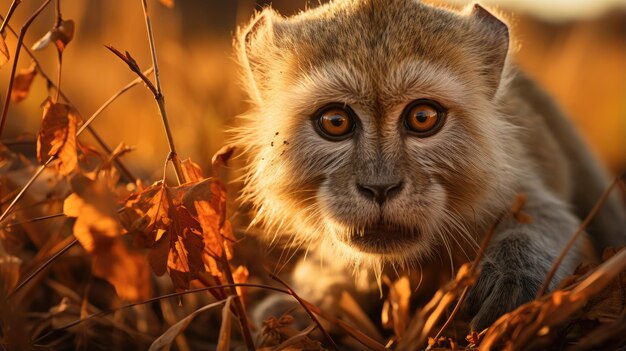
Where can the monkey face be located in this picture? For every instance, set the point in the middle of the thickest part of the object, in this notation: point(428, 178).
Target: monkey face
point(372, 135)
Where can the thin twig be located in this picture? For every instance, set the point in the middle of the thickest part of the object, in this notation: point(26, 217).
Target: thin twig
point(42, 267)
point(36, 219)
point(20, 39)
point(160, 98)
point(576, 236)
point(155, 63)
point(57, 24)
point(158, 298)
point(308, 311)
point(23, 191)
point(52, 158)
point(357, 335)
point(110, 101)
point(12, 8)
point(120, 165)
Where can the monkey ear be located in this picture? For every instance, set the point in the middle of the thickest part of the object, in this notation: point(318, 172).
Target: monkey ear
point(494, 35)
point(252, 42)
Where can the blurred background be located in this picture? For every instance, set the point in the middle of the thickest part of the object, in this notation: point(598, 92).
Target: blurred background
point(575, 49)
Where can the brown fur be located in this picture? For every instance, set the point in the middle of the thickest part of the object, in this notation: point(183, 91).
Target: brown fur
point(502, 136)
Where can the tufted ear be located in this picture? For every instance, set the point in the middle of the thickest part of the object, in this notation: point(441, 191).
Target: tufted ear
point(253, 41)
point(494, 41)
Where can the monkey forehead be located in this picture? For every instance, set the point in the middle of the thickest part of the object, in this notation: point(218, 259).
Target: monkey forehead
point(403, 82)
point(377, 56)
point(369, 34)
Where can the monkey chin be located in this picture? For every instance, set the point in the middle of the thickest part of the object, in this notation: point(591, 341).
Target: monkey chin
point(377, 246)
point(383, 240)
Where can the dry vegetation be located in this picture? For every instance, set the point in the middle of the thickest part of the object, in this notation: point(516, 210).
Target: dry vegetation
point(93, 257)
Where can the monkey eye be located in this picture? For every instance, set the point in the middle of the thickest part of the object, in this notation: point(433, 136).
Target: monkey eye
point(335, 122)
point(423, 118)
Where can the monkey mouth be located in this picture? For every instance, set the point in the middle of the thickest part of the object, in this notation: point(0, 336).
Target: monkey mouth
point(382, 239)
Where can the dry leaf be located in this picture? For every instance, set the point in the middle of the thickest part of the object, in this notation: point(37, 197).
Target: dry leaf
point(191, 171)
point(98, 231)
point(22, 82)
point(424, 321)
point(4, 52)
point(397, 306)
point(241, 275)
point(221, 158)
point(57, 136)
point(185, 227)
point(166, 339)
point(60, 35)
point(522, 326)
point(223, 340)
point(126, 270)
point(357, 316)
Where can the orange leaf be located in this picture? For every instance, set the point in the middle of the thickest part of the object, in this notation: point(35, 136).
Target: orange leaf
point(221, 157)
point(57, 136)
point(191, 171)
point(185, 227)
point(98, 231)
point(185, 257)
point(60, 35)
point(22, 82)
point(94, 210)
point(145, 213)
point(127, 271)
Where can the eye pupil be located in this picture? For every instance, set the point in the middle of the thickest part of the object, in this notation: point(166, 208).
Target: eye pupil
point(335, 123)
point(423, 118)
point(336, 120)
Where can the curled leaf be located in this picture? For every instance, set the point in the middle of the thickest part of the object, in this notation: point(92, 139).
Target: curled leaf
point(166, 339)
point(57, 136)
point(223, 340)
point(396, 307)
point(22, 82)
point(221, 157)
point(60, 35)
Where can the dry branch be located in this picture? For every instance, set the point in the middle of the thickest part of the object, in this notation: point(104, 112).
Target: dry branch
point(120, 165)
point(20, 39)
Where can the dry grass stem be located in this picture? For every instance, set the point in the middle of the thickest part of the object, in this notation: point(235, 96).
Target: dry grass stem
point(20, 39)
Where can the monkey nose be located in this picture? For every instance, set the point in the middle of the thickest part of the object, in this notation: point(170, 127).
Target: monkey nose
point(380, 192)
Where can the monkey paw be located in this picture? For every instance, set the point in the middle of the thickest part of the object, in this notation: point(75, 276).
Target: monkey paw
point(497, 292)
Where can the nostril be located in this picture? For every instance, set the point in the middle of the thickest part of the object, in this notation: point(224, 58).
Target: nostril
point(366, 191)
point(380, 192)
point(394, 190)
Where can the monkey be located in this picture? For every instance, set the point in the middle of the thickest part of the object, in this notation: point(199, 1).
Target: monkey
point(383, 133)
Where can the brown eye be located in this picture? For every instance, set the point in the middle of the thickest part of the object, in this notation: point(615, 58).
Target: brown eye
point(423, 117)
point(335, 123)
